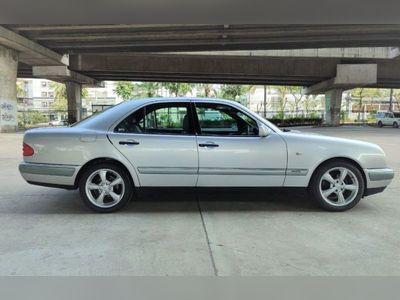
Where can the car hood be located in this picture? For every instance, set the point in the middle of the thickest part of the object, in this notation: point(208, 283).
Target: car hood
point(320, 139)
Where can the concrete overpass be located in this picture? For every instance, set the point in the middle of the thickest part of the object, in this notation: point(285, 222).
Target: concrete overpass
point(87, 54)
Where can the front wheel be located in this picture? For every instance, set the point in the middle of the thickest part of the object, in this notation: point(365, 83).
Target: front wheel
point(337, 186)
point(105, 187)
point(380, 124)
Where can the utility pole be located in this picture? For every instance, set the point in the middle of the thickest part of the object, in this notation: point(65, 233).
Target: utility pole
point(265, 101)
point(391, 100)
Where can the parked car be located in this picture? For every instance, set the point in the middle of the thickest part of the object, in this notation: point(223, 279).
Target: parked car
point(180, 142)
point(58, 123)
point(388, 118)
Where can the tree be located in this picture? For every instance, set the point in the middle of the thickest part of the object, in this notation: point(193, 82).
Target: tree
point(147, 89)
point(310, 102)
point(297, 93)
point(177, 88)
point(60, 96)
point(364, 93)
point(236, 92)
point(205, 90)
point(20, 89)
point(125, 89)
point(282, 92)
point(396, 97)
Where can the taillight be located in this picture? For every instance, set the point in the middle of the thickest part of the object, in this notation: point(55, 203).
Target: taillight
point(27, 150)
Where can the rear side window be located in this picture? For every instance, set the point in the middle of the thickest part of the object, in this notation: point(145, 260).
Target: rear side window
point(163, 118)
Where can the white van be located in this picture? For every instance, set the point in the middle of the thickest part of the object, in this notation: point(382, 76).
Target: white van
point(388, 118)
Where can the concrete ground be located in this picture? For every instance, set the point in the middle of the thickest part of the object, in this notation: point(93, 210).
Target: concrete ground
point(46, 231)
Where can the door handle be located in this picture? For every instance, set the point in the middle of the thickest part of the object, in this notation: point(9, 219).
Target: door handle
point(132, 142)
point(208, 145)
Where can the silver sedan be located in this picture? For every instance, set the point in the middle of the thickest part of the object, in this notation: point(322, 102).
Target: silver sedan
point(181, 142)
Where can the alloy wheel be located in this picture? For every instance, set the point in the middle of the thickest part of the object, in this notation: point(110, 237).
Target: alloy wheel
point(339, 186)
point(105, 188)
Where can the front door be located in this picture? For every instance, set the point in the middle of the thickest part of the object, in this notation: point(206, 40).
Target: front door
point(159, 141)
point(231, 153)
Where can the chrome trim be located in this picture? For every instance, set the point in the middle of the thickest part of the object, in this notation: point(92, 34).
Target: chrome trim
point(223, 171)
point(47, 169)
point(240, 171)
point(296, 172)
point(380, 174)
point(167, 170)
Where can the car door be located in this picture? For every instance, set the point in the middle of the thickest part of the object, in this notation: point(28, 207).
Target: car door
point(231, 153)
point(159, 141)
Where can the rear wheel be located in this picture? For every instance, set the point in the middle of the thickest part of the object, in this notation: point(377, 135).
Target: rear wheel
point(337, 185)
point(105, 187)
point(395, 125)
point(380, 124)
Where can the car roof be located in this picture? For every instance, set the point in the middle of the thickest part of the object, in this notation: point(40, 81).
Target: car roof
point(105, 119)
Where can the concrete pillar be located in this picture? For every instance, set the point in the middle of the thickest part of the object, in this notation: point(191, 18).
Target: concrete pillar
point(333, 101)
point(74, 101)
point(8, 90)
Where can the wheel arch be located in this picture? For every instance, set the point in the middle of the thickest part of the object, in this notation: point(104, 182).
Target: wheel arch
point(98, 161)
point(342, 158)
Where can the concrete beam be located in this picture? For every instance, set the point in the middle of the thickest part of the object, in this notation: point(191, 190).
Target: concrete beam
point(30, 52)
point(63, 74)
point(347, 76)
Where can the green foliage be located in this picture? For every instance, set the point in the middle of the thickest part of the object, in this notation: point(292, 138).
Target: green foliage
point(206, 90)
point(147, 89)
point(176, 88)
point(125, 89)
point(20, 89)
point(30, 118)
point(60, 96)
point(235, 91)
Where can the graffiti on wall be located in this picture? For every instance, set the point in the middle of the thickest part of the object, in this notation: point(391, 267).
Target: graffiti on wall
point(8, 112)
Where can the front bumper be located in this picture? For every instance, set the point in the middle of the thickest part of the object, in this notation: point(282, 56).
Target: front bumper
point(49, 174)
point(378, 178)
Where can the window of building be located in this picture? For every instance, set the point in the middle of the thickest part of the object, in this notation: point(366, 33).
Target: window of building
point(44, 94)
point(44, 83)
point(45, 104)
point(51, 94)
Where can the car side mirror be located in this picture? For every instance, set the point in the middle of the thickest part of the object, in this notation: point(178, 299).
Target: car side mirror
point(263, 131)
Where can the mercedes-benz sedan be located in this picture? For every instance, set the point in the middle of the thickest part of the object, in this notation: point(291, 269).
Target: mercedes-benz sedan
point(181, 142)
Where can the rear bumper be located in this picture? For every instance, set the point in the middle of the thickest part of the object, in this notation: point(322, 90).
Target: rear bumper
point(49, 174)
point(378, 178)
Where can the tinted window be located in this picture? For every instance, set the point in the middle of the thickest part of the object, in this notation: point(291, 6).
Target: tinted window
point(168, 118)
point(216, 119)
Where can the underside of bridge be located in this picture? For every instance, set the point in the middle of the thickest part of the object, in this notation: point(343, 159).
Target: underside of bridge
point(339, 57)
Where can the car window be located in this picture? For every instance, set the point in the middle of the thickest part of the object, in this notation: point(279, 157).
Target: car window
point(164, 118)
point(397, 114)
point(217, 119)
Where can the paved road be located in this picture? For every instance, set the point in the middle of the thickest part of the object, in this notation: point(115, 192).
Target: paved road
point(47, 231)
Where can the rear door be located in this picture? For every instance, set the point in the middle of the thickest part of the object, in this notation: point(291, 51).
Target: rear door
point(159, 141)
point(231, 153)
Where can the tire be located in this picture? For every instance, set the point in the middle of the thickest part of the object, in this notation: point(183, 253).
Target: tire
point(326, 192)
point(380, 124)
point(105, 187)
point(395, 125)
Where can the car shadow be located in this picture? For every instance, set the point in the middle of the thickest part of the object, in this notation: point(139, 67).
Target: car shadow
point(185, 201)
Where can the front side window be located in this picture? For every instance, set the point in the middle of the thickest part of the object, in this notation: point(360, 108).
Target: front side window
point(219, 119)
point(168, 118)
